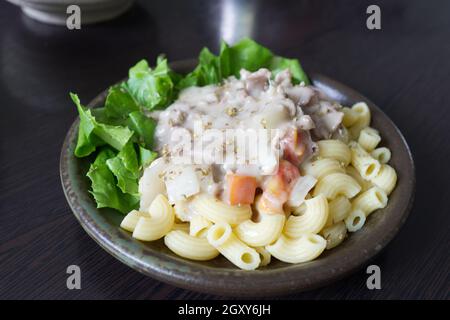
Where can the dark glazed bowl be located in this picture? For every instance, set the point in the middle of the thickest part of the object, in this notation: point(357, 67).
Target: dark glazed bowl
point(219, 276)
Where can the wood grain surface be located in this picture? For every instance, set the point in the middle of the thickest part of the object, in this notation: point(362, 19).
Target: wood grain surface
point(404, 68)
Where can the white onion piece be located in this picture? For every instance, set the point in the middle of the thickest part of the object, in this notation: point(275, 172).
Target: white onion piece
point(151, 184)
point(181, 182)
point(300, 190)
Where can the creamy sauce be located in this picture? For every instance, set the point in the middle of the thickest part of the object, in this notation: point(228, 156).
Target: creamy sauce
point(255, 101)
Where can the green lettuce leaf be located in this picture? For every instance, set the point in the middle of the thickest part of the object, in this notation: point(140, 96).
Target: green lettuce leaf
point(119, 102)
point(226, 69)
point(146, 156)
point(121, 110)
point(209, 68)
point(246, 54)
point(104, 188)
point(92, 133)
point(190, 80)
point(249, 55)
point(208, 71)
point(101, 116)
point(151, 88)
point(125, 167)
point(143, 126)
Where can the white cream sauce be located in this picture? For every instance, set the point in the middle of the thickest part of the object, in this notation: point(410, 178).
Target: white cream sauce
point(255, 101)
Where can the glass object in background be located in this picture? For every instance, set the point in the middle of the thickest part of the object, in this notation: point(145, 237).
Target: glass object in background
point(238, 20)
point(55, 11)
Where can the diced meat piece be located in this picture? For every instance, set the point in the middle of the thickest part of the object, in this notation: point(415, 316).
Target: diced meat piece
point(305, 122)
point(256, 82)
point(300, 94)
point(326, 118)
point(332, 120)
point(284, 79)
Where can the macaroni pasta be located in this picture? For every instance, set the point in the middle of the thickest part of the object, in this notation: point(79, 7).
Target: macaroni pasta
point(324, 186)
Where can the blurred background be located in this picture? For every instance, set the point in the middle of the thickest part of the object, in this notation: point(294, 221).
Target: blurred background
point(403, 67)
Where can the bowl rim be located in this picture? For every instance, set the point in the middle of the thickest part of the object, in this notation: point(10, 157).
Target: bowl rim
point(235, 282)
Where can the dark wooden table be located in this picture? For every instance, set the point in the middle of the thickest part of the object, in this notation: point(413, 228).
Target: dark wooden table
point(404, 68)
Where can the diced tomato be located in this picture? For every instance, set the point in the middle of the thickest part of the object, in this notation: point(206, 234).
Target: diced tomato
point(288, 174)
point(241, 189)
point(293, 147)
point(276, 188)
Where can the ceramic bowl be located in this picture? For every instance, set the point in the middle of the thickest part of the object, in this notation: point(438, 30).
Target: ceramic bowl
point(219, 276)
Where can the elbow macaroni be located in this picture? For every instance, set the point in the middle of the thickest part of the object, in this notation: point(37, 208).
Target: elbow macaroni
point(159, 222)
point(131, 219)
point(355, 220)
point(311, 221)
point(352, 172)
point(223, 239)
point(339, 208)
point(370, 200)
point(353, 180)
point(337, 184)
point(334, 149)
point(383, 154)
point(386, 179)
point(362, 113)
point(190, 247)
point(217, 211)
point(363, 162)
point(369, 138)
point(305, 248)
point(261, 233)
point(350, 117)
point(198, 225)
point(322, 167)
point(264, 256)
point(335, 234)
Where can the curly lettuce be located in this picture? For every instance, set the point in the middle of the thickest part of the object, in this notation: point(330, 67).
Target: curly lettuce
point(104, 186)
point(246, 54)
point(152, 88)
point(92, 133)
